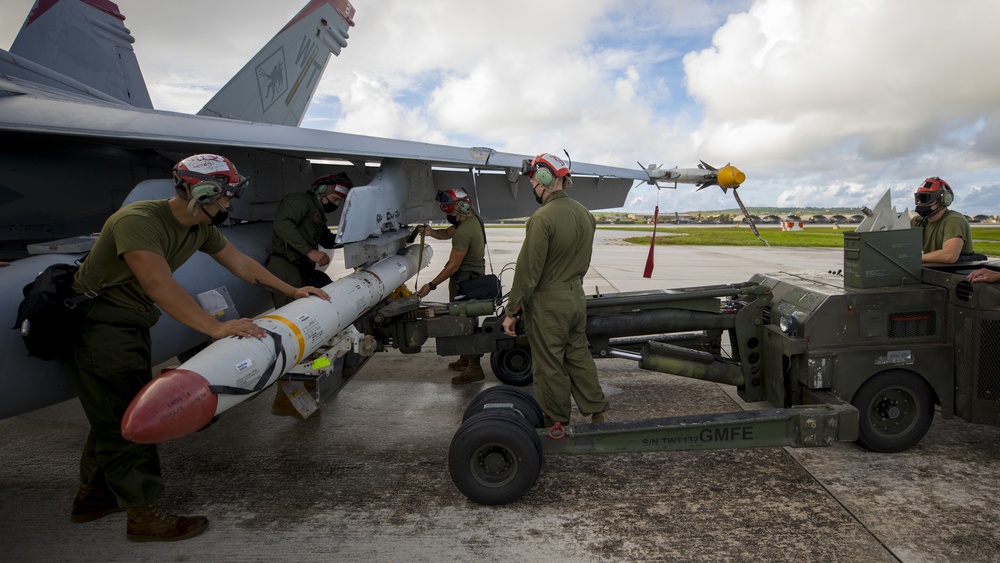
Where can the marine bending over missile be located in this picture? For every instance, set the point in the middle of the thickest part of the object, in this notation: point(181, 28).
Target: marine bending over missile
point(299, 230)
point(109, 357)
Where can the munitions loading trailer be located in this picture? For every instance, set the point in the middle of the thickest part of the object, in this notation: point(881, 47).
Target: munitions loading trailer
point(861, 356)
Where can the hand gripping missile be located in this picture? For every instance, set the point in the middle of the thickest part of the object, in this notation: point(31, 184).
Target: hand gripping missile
point(233, 369)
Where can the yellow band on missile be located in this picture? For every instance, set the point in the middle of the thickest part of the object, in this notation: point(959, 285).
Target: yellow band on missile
point(295, 330)
point(731, 177)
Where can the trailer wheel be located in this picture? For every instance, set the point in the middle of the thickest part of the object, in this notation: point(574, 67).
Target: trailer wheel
point(512, 366)
point(523, 403)
point(495, 457)
point(896, 409)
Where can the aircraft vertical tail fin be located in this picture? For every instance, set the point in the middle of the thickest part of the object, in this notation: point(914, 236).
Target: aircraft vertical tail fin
point(85, 40)
point(278, 83)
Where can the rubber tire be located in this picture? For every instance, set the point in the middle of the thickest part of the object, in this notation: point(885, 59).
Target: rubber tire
point(487, 440)
point(519, 374)
point(524, 403)
point(894, 390)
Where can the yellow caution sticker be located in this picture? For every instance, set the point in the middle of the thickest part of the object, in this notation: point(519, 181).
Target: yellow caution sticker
point(321, 362)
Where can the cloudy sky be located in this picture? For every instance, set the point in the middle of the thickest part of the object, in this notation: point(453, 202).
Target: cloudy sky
point(821, 102)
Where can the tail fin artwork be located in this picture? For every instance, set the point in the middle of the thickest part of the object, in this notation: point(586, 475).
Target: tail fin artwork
point(85, 40)
point(287, 70)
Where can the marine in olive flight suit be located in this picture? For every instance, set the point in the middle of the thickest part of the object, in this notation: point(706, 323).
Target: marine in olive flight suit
point(300, 229)
point(547, 293)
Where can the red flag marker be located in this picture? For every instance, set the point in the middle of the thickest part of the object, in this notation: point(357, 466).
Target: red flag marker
point(648, 273)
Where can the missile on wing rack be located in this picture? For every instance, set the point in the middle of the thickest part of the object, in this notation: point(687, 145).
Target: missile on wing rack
point(231, 370)
point(705, 175)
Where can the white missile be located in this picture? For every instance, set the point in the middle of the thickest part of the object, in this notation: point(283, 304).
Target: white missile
point(705, 175)
point(231, 370)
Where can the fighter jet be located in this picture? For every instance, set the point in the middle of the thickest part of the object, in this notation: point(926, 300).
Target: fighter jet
point(79, 138)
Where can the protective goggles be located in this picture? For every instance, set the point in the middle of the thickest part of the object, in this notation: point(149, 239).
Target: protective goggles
point(926, 197)
point(236, 190)
point(527, 169)
point(447, 204)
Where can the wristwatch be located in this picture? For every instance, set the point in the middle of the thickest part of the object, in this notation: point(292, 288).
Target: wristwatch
point(432, 285)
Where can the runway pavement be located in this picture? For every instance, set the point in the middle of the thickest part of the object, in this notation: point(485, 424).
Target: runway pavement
point(368, 479)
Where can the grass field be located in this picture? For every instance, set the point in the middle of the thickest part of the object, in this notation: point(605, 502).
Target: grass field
point(985, 239)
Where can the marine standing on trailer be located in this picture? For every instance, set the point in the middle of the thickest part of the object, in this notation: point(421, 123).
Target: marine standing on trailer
point(947, 235)
point(109, 359)
point(547, 292)
point(466, 261)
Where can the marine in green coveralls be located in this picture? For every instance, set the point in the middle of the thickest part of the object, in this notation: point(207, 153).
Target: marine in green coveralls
point(300, 229)
point(109, 358)
point(947, 235)
point(466, 261)
point(547, 293)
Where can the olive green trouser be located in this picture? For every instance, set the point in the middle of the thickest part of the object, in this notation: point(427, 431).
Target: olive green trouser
point(555, 321)
point(108, 361)
point(285, 271)
point(453, 293)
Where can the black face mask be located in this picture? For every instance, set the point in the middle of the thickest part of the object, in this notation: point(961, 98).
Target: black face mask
point(924, 209)
point(329, 207)
point(538, 198)
point(453, 220)
point(219, 218)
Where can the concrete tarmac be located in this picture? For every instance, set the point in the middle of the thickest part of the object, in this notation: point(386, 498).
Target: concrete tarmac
point(367, 480)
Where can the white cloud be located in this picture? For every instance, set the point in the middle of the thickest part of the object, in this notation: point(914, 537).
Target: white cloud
point(858, 88)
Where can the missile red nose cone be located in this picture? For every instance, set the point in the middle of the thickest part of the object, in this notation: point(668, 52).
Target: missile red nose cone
point(173, 405)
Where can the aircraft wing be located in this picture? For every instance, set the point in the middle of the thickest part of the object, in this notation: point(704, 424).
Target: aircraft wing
point(25, 112)
point(31, 115)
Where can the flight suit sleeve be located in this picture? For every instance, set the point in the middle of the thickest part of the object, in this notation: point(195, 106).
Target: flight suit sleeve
point(327, 239)
point(290, 214)
point(530, 262)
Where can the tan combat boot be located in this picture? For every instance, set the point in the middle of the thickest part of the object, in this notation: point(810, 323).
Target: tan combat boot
point(93, 502)
point(151, 523)
point(598, 418)
point(459, 364)
point(473, 372)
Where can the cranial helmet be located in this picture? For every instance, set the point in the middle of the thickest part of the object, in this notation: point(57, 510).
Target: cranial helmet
point(934, 189)
point(545, 168)
point(208, 177)
point(455, 201)
point(339, 184)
